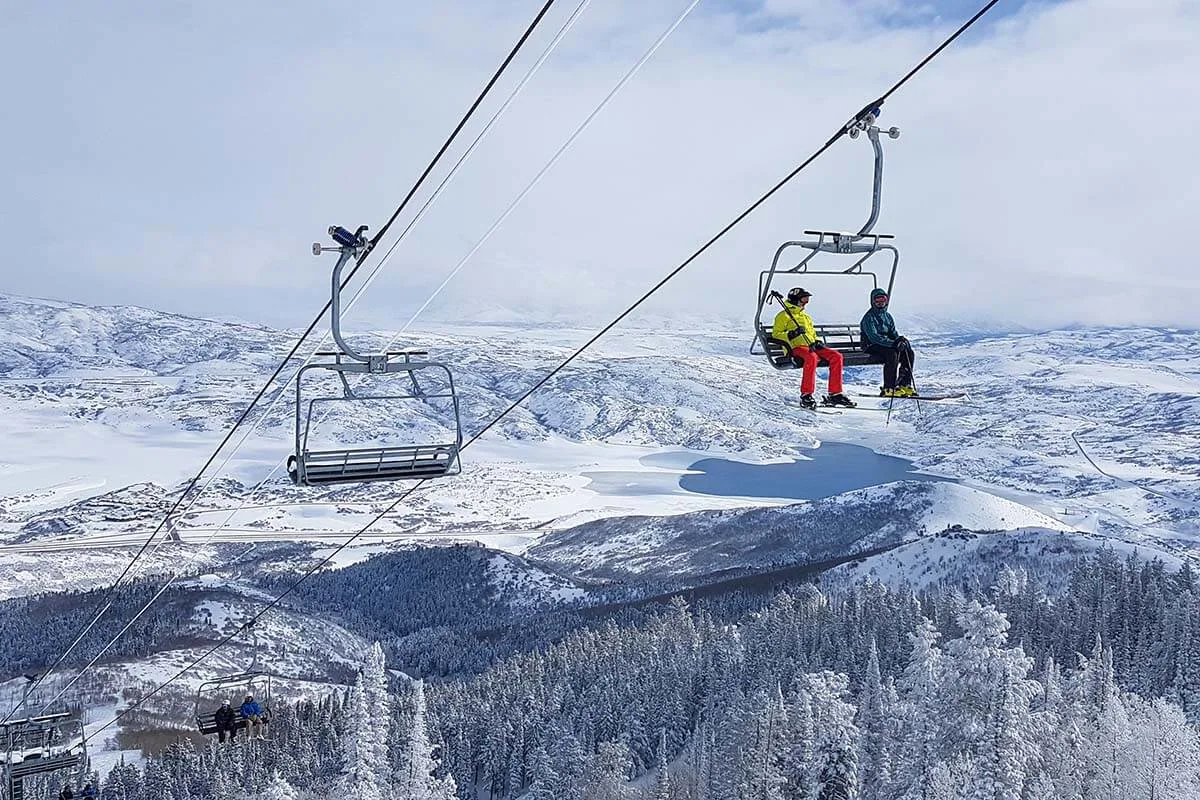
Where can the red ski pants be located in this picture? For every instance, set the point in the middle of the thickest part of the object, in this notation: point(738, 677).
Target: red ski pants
point(808, 381)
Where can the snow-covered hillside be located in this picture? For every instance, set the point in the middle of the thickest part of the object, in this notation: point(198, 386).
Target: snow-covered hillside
point(742, 540)
point(113, 408)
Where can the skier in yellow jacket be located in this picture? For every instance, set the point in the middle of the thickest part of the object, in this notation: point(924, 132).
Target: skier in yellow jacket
point(794, 327)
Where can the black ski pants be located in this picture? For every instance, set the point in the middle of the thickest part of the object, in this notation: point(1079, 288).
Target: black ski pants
point(895, 359)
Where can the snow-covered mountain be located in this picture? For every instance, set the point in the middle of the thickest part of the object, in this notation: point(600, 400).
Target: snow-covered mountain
point(112, 409)
point(737, 541)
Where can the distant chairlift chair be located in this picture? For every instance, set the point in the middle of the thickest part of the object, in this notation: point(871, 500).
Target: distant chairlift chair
point(40, 746)
point(403, 462)
point(845, 338)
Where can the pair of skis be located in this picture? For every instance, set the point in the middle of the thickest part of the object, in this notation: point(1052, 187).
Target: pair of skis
point(931, 398)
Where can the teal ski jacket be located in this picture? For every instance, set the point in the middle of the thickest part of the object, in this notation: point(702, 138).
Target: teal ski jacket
point(877, 326)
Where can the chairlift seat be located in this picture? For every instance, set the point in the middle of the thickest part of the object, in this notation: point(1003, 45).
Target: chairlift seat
point(39, 766)
point(255, 683)
point(207, 723)
point(407, 462)
point(846, 339)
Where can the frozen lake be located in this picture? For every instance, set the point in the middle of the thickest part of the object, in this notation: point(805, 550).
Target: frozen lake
point(825, 471)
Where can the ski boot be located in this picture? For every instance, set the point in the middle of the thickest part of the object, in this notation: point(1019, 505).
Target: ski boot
point(905, 391)
point(889, 392)
point(808, 402)
point(838, 399)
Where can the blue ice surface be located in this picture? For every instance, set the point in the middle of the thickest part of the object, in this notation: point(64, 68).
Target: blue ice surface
point(826, 471)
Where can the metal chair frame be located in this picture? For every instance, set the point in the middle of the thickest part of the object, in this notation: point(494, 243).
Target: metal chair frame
point(845, 338)
point(33, 748)
point(354, 465)
point(206, 721)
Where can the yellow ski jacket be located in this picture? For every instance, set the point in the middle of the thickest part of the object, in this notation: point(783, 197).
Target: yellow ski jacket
point(786, 329)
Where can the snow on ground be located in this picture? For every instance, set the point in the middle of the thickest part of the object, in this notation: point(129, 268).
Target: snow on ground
point(981, 511)
point(169, 387)
point(965, 557)
point(531, 585)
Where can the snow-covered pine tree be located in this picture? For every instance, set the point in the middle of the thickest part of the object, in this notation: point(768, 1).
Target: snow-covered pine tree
point(796, 760)
point(367, 776)
point(835, 750)
point(662, 782)
point(874, 721)
point(546, 781)
point(1008, 749)
point(278, 789)
point(919, 686)
point(417, 776)
point(977, 664)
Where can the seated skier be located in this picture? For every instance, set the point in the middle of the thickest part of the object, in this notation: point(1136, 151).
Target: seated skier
point(794, 327)
point(255, 718)
point(226, 722)
point(879, 338)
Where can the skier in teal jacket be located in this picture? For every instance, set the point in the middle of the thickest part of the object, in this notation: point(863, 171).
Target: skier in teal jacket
point(879, 338)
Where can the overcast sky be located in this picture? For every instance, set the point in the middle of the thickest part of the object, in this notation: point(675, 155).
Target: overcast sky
point(185, 155)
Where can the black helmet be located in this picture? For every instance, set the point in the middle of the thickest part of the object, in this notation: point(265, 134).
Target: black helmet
point(795, 294)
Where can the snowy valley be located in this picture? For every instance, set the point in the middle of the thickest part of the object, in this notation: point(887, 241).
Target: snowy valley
point(651, 469)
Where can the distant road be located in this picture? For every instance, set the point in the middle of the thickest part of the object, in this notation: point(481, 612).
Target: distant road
point(237, 535)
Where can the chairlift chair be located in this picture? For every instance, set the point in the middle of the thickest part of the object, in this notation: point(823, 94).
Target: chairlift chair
point(211, 694)
point(862, 246)
point(420, 460)
point(40, 746)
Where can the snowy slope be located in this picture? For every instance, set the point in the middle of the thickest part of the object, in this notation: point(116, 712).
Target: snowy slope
point(743, 540)
point(977, 560)
point(99, 456)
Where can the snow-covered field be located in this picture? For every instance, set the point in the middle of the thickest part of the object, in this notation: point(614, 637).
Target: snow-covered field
point(114, 408)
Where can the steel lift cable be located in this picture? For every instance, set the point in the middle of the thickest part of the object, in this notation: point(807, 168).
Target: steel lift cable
point(375, 271)
point(106, 603)
point(1179, 501)
point(294, 585)
point(566, 27)
point(499, 221)
point(495, 226)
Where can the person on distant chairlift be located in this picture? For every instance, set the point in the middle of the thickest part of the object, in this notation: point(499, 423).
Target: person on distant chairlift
point(794, 327)
point(88, 793)
point(226, 722)
point(66, 793)
point(253, 714)
point(879, 338)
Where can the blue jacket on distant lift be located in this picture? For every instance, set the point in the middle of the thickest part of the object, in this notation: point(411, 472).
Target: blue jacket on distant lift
point(878, 327)
point(251, 708)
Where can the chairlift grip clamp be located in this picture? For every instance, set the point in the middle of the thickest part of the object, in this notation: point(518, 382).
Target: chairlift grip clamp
point(348, 241)
point(864, 119)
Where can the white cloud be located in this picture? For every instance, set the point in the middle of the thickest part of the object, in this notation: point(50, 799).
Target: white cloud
point(185, 157)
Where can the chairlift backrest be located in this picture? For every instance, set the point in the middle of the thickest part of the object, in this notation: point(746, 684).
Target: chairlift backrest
point(40, 746)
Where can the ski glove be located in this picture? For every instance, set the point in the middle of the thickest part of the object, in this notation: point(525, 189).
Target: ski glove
point(817, 345)
point(901, 341)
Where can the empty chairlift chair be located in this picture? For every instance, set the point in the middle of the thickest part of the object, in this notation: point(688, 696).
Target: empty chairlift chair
point(861, 246)
point(42, 745)
point(416, 460)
